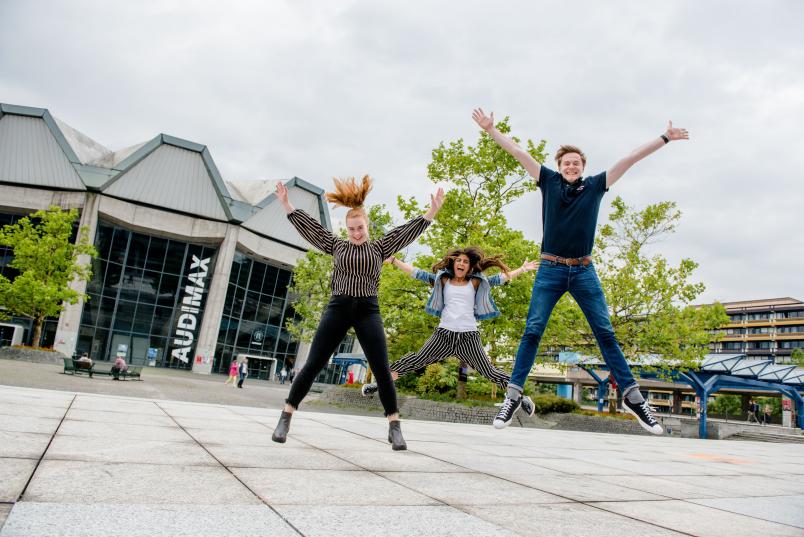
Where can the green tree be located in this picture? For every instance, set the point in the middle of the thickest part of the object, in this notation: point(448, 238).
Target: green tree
point(797, 357)
point(726, 404)
point(650, 300)
point(47, 263)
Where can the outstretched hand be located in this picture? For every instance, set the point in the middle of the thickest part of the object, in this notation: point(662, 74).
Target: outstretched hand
point(530, 265)
point(676, 133)
point(281, 192)
point(436, 201)
point(486, 122)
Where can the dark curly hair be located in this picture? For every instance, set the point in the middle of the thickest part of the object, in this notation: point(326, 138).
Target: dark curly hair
point(478, 260)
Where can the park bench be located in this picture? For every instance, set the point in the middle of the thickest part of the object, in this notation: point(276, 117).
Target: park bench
point(133, 372)
point(74, 366)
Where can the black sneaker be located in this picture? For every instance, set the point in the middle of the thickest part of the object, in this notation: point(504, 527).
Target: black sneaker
point(644, 415)
point(369, 389)
point(506, 414)
point(527, 405)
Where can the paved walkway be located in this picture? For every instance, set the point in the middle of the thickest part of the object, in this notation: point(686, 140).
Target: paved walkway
point(77, 464)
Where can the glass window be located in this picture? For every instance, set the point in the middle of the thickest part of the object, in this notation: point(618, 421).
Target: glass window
point(257, 275)
point(168, 289)
point(111, 283)
point(137, 250)
point(174, 259)
point(156, 254)
point(142, 318)
point(84, 344)
point(99, 342)
point(282, 282)
point(124, 315)
point(91, 310)
point(162, 321)
point(227, 305)
point(275, 314)
point(117, 252)
point(103, 240)
point(130, 284)
point(106, 312)
point(250, 308)
point(263, 310)
point(95, 283)
point(149, 287)
point(269, 283)
point(245, 274)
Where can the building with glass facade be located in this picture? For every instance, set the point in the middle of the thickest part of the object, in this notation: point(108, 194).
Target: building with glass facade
point(191, 271)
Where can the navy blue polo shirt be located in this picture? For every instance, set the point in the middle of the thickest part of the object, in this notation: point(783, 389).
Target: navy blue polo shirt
point(569, 212)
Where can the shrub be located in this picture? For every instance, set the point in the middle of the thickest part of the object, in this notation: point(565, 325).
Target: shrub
point(436, 380)
point(480, 388)
point(407, 383)
point(547, 403)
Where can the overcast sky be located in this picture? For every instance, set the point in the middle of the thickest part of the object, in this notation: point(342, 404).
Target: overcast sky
point(320, 89)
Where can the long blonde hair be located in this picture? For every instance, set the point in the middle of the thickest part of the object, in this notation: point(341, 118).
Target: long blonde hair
point(348, 193)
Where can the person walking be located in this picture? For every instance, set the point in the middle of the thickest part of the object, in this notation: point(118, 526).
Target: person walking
point(570, 206)
point(243, 372)
point(283, 374)
point(233, 370)
point(357, 262)
point(461, 297)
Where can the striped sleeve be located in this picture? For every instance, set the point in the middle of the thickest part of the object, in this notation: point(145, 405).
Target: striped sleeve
point(401, 236)
point(312, 231)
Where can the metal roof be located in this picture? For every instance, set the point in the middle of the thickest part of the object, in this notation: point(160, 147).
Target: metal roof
point(33, 152)
point(164, 172)
point(270, 219)
point(738, 365)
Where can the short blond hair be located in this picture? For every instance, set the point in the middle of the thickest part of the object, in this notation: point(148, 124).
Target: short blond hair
point(564, 149)
point(348, 193)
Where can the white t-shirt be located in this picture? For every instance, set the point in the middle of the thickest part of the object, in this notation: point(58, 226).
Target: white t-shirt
point(459, 308)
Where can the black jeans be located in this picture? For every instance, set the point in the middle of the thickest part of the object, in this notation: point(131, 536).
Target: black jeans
point(342, 313)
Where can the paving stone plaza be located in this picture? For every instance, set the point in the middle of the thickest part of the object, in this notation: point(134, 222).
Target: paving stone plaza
point(82, 464)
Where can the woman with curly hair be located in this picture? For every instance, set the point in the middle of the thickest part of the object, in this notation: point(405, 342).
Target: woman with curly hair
point(357, 262)
point(461, 296)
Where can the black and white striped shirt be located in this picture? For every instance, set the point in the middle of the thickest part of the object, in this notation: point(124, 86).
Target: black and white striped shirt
point(357, 268)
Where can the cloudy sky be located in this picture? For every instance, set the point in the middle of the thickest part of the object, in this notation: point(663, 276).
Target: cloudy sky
point(333, 88)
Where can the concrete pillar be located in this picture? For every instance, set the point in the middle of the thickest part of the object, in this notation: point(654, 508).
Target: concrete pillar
point(577, 392)
point(677, 398)
point(301, 356)
point(70, 318)
point(213, 308)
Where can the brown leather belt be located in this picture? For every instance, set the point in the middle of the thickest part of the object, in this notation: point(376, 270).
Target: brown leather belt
point(572, 261)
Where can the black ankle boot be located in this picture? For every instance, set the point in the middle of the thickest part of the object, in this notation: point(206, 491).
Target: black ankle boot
point(395, 436)
point(282, 428)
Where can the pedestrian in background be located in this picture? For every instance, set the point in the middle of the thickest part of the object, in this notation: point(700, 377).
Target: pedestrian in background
point(233, 371)
point(243, 372)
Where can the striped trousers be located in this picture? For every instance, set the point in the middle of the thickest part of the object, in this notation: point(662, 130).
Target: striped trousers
point(443, 344)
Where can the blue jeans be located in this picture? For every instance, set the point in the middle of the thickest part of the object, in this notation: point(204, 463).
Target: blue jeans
point(552, 281)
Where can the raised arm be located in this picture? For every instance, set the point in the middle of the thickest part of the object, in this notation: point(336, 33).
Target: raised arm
point(527, 266)
point(486, 123)
point(623, 165)
point(282, 196)
point(401, 236)
point(398, 263)
point(307, 226)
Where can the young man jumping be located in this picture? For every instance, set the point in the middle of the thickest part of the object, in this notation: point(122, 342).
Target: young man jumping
point(570, 206)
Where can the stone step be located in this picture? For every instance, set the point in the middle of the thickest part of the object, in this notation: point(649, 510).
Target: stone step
point(768, 437)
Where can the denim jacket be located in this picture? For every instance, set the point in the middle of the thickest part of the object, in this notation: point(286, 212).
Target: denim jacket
point(485, 308)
